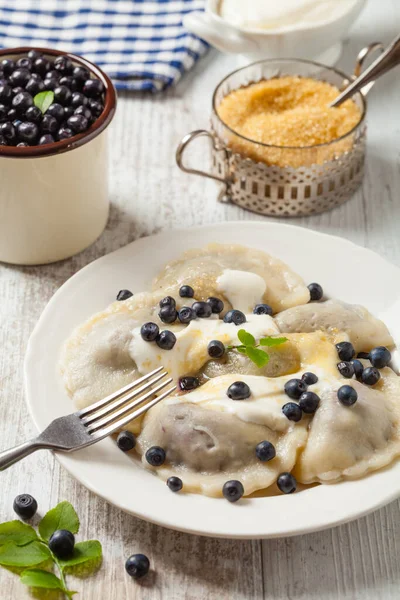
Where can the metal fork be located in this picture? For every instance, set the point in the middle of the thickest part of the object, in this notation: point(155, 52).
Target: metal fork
point(90, 425)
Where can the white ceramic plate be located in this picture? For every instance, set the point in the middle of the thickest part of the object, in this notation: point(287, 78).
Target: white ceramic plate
point(345, 270)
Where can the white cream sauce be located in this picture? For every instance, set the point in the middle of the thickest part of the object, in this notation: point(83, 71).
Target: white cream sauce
point(243, 289)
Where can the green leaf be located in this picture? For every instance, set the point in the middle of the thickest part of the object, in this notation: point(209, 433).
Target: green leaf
point(43, 100)
point(246, 338)
point(41, 579)
point(17, 532)
point(241, 349)
point(29, 555)
point(86, 559)
point(62, 516)
point(259, 357)
point(270, 341)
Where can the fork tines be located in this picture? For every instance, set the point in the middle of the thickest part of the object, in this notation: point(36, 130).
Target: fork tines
point(115, 411)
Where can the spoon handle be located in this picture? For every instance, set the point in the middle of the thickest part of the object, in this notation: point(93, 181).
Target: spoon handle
point(389, 59)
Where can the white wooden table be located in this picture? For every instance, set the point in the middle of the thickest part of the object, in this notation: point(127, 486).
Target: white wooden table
point(148, 192)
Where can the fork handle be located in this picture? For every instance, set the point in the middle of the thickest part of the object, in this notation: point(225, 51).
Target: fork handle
point(13, 455)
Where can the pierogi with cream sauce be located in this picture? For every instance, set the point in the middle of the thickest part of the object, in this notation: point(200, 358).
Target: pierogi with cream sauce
point(270, 391)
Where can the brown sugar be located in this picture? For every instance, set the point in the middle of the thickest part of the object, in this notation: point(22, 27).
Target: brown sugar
point(288, 112)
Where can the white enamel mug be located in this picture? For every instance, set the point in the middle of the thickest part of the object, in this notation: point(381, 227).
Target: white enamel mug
point(54, 197)
point(320, 41)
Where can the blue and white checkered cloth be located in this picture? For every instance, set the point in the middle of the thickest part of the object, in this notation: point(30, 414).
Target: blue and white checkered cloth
point(141, 44)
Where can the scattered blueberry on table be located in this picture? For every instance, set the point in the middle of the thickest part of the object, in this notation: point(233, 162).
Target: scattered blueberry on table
point(25, 506)
point(44, 101)
point(62, 543)
point(233, 490)
point(239, 390)
point(137, 566)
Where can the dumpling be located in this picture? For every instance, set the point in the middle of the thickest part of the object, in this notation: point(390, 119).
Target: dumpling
point(364, 331)
point(241, 276)
point(210, 439)
point(349, 442)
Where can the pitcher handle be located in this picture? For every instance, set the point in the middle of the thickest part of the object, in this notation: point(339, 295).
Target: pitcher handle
point(185, 143)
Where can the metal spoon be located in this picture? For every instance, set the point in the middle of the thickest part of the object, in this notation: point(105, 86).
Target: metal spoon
point(384, 63)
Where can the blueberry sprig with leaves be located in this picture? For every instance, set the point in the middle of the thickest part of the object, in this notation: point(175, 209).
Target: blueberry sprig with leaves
point(252, 350)
point(29, 553)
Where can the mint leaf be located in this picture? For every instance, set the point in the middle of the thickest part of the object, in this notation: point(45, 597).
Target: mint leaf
point(86, 559)
point(63, 516)
point(32, 554)
point(270, 341)
point(241, 349)
point(259, 357)
point(246, 338)
point(41, 579)
point(43, 100)
point(17, 532)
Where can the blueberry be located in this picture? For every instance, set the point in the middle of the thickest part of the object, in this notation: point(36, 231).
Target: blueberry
point(16, 123)
point(186, 384)
point(380, 357)
point(93, 88)
point(358, 367)
point(3, 141)
point(46, 139)
point(294, 388)
point(168, 314)
point(17, 90)
point(167, 301)
point(175, 484)
point(12, 114)
point(56, 111)
point(124, 295)
point(25, 506)
point(27, 132)
point(149, 332)
point(63, 65)
point(233, 490)
point(217, 306)
point(235, 316)
point(20, 77)
point(265, 451)
point(24, 63)
point(78, 99)
point(239, 390)
point(137, 566)
point(7, 65)
point(62, 94)
point(5, 94)
point(69, 82)
point(53, 74)
point(262, 309)
point(7, 130)
point(347, 395)
point(185, 315)
point(309, 378)
point(126, 441)
point(50, 84)
point(364, 355)
point(68, 112)
point(370, 376)
point(34, 54)
point(186, 291)
point(34, 86)
point(309, 402)
point(84, 111)
point(49, 124)
point(22, 101)
point(80, 74)
point(166, 340)
point(345, 351)
point(286, 483)
point(155, 456)
point(36, 77)
point(202, 310)
point(292, 411)
point(3, 112)
point(22, 145)
point(316, 292)
point(96, 107)
point(62, 543)
point(78, 123)
point(216, 349)
point(346, 369)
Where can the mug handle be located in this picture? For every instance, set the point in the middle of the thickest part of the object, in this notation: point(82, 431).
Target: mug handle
point(361, 58)
point(184, 144)
point(221, 35)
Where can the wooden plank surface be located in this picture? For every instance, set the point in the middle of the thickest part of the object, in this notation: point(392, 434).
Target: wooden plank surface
point(360, 560)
